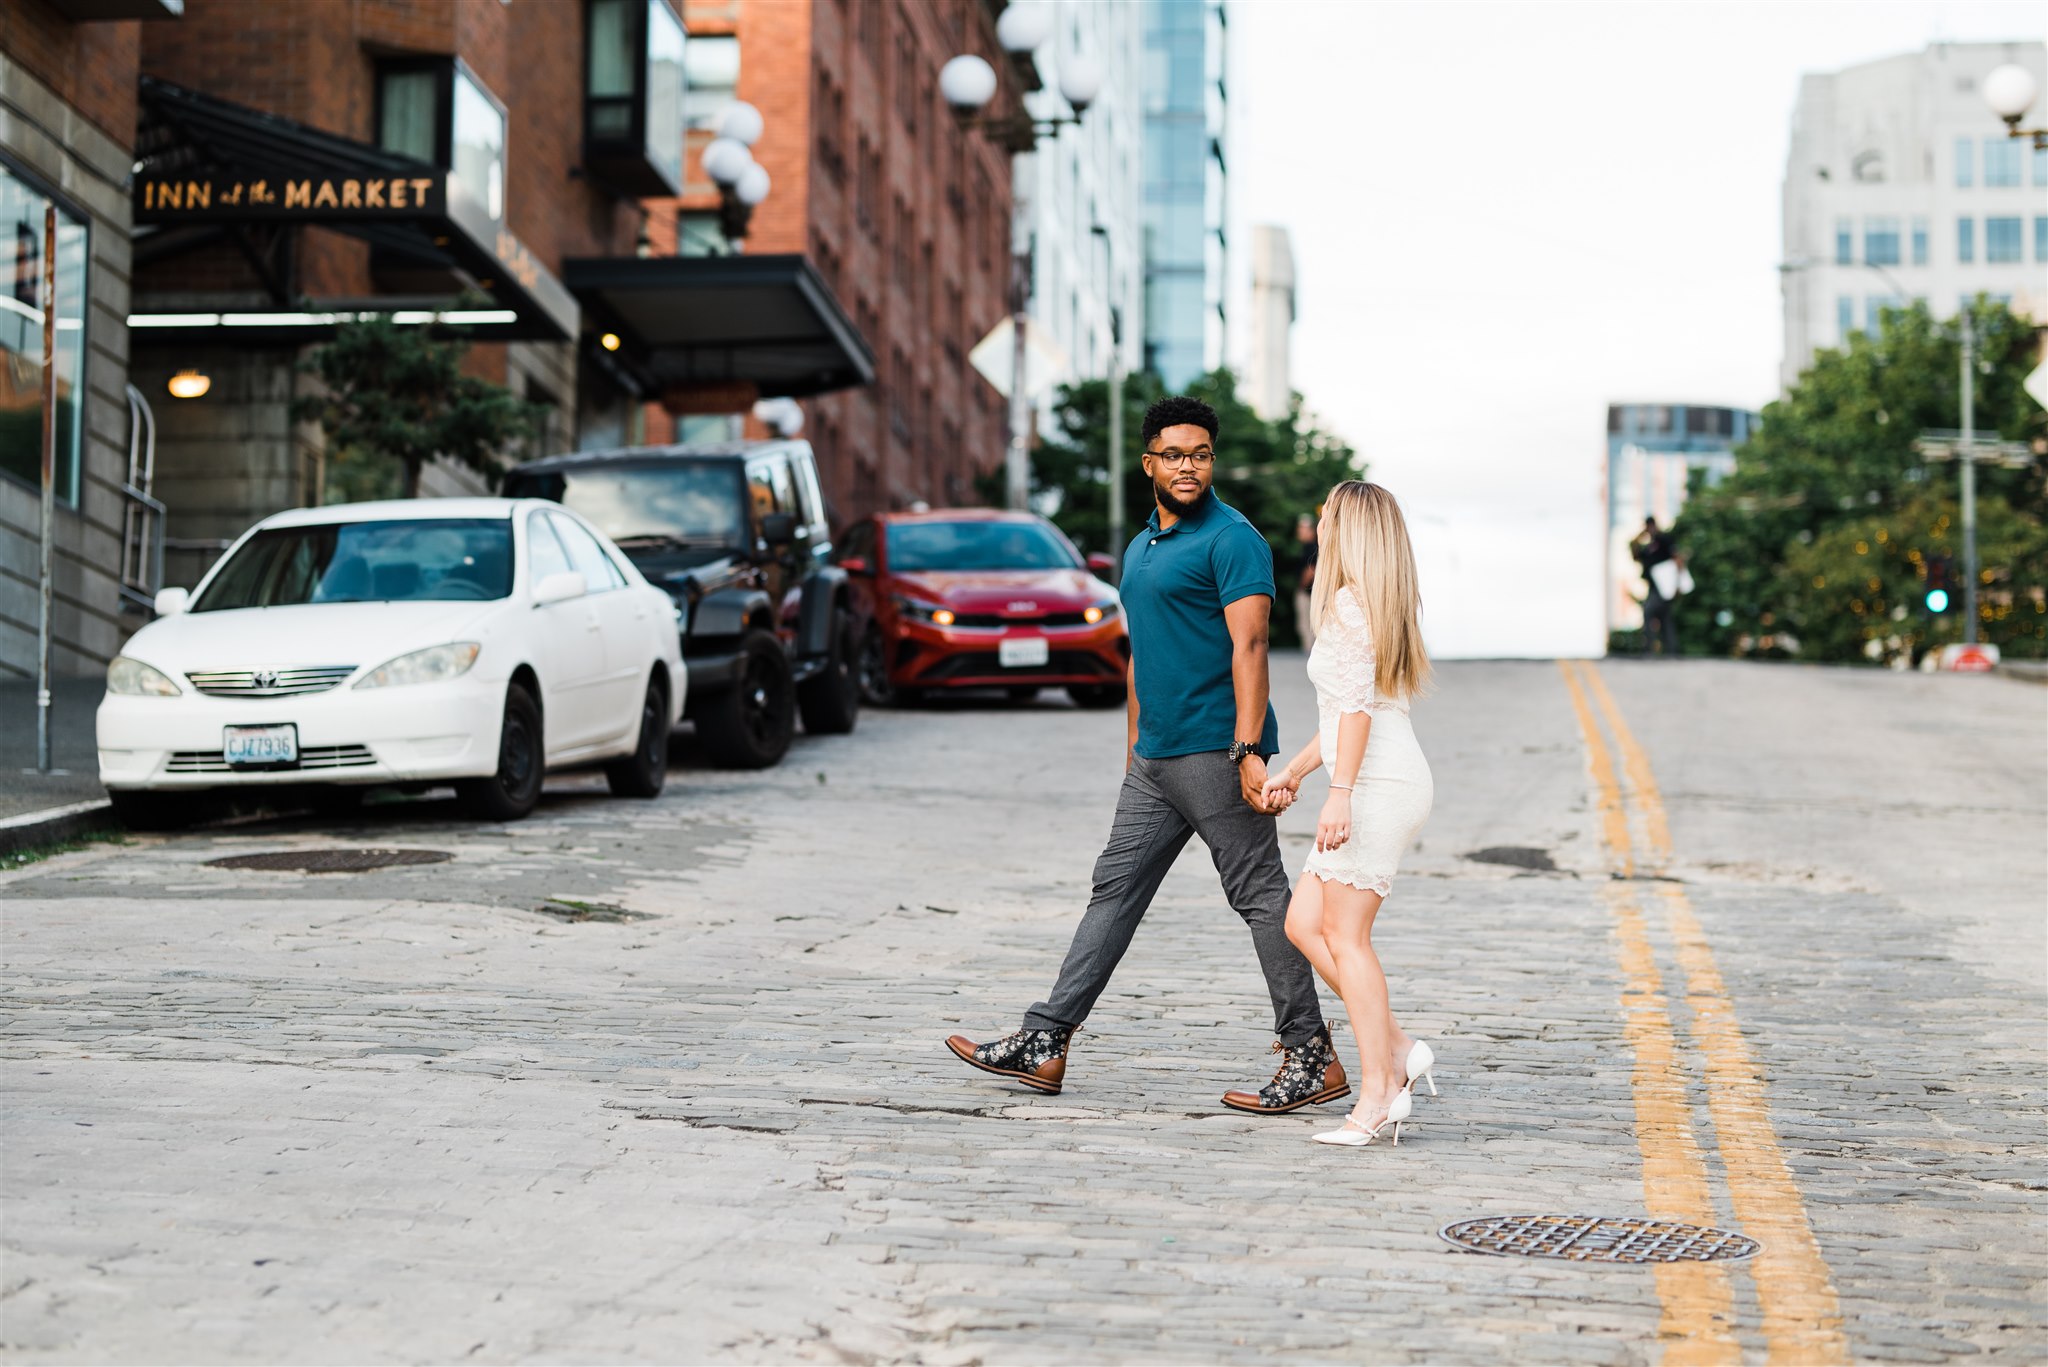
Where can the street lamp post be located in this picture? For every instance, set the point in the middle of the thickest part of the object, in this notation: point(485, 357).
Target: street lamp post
point(729, 160)
point(968, 83)
point(2009, 91)
point(1115, 461)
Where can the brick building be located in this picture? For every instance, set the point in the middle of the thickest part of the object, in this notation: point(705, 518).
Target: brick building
point(67, 129)
point(905, 215)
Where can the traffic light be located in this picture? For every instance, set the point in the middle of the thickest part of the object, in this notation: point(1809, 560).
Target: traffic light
point(1939, 574)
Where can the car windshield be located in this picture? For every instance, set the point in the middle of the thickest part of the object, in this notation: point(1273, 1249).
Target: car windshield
point(408, 560)
point(675, 504)
point(915, 546)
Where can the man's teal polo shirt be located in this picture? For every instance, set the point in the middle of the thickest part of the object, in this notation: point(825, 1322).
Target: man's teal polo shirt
point(1175, 586)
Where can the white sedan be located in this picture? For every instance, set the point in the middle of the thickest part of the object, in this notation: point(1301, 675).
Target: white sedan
point(473, 641)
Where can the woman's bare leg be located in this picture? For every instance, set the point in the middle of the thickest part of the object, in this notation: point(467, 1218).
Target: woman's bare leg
point(1305, 928)
point(1348, 914)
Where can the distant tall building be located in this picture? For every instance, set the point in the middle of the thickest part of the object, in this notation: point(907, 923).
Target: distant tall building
point(1652, 449)
point(1902, 185)
point(1081, 194)
point(1186, 121)
point(1269, 376)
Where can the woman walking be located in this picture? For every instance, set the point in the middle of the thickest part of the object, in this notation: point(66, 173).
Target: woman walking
point(1367, 664)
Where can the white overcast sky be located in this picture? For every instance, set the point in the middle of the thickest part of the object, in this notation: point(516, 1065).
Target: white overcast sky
point(1507, 215)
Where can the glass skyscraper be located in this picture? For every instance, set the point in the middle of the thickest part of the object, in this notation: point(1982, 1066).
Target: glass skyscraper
point(1185, 238)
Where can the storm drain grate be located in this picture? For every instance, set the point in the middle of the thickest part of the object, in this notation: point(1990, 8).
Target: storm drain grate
point(329, 861)
point(1598, 1239)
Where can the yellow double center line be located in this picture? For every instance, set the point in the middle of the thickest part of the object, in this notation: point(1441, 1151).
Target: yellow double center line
point(1794, 1292)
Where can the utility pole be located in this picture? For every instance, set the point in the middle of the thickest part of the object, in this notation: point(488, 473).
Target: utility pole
point(1116, 441)
point(49, 492)
point(1017, 460)
point(1969, 479)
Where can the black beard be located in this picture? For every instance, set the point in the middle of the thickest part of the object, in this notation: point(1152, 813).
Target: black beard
point(1171, 504)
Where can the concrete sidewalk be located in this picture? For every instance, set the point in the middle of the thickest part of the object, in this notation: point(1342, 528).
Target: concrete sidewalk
point(75, 776)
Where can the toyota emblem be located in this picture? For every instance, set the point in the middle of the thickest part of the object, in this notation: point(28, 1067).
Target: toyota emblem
point(266, 679)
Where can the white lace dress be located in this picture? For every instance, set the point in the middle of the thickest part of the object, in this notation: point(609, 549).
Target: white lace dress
point(1392, 796)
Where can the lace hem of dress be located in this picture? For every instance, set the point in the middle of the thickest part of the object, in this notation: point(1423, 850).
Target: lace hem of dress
point(1380, 883)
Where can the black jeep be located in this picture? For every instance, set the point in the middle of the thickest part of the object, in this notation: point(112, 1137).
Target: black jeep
point(735, 533)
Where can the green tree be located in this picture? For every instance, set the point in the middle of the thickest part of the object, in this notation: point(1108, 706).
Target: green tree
point(1271, 471)
point(1773, 548)
point(394, 397)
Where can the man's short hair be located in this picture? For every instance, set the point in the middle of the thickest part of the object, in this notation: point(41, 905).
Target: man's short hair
point(1178, 410)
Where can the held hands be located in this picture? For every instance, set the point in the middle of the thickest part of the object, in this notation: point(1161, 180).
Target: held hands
point(1280, 792)
point(1333, 827)
point(1251, 783)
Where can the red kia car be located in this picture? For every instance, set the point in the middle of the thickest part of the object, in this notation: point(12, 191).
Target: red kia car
point(981, 599)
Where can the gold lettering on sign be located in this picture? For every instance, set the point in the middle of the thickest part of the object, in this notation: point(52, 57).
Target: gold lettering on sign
point(234, 196)
point(260, 193)
point(170, 196)
point(398, 199)
point(351, 194)
point(298, 194)
point(324, 197)
point(198, 195)
point(419, 190)
point(373, 194)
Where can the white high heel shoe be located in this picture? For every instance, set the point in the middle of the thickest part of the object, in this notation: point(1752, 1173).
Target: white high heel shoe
point(1420, 1063)
point(1356, 1136)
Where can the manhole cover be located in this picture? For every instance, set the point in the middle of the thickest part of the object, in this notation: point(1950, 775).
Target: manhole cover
point(329, 861)
point(1598, 1239)
point(1515, 856)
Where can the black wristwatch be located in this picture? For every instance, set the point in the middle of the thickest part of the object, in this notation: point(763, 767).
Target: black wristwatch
point(1241, 750)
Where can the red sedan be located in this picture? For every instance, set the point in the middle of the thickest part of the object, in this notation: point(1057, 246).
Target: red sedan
point(982, 599)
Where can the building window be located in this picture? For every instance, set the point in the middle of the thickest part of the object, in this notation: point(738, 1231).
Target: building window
point(2001, 163)
point(633, 95)
point(438, 111)
point(698, 234)
point(2002, 241)
point(1919, 241)
point(1845, 317)
point(1881, 241)
point(2041, 166)
point(1966, 150)
point(2040, 238)
point(21, 338)
point(711, 70)
point(1845, 242)
point(1966, 240)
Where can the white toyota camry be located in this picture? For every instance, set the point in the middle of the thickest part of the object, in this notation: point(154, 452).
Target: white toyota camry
point(473, 641)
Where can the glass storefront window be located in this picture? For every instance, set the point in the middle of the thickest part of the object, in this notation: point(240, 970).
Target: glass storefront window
point(479, 152)
point(21, 337)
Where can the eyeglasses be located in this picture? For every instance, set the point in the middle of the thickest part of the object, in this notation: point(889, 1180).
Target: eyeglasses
point(1201, 459)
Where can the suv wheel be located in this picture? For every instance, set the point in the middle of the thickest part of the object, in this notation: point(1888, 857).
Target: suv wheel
point(875, 687)
point(514, 789)
point(642, 773)
point(748, 726)
point(830, 699)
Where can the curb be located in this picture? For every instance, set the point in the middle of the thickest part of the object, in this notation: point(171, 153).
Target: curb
point(55, 823)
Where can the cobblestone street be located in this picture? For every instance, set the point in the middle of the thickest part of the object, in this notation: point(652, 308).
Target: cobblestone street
point(1761, 947)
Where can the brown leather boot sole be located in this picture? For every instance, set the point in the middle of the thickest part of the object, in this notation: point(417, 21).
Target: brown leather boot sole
point(964, 1050)
point(1249, 1101)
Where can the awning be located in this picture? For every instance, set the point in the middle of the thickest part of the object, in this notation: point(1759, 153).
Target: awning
point(209, 168)
point(723, 322)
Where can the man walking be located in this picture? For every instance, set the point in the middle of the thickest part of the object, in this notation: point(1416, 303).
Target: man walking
point(1197, 592)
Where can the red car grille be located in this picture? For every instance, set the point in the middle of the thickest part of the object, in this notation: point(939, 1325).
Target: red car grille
point(1049, 619)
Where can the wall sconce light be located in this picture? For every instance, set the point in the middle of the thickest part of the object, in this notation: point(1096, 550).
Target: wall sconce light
point(190, 384)
point(610, 341)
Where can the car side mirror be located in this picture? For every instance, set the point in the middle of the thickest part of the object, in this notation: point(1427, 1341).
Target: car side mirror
point(559, 587)
point(856, 565)
point(171, 602)
point(778, 529)
point(1098, 563)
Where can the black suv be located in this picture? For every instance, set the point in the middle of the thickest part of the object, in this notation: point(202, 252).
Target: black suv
point(735, 533)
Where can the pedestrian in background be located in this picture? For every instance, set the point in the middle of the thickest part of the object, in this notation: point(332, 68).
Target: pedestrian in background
point(1654, 552)
point(1198, 593)
point(1368, 663)
point(1305, 578)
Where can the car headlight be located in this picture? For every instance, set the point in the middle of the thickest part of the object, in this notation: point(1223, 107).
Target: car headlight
point(1099, 611)
point(923, 612)
point(134, 679)
point(435, 664)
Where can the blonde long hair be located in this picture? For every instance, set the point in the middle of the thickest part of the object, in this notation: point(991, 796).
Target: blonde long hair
point(1367, 551)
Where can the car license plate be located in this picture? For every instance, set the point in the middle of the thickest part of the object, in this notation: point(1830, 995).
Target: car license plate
point(1023, 652)
point(260, 746)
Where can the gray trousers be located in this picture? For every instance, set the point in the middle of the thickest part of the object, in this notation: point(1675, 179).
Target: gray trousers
point(1164, 801)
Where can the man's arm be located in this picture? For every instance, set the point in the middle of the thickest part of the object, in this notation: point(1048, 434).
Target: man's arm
point(1130, 710)
point(1247, 619)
